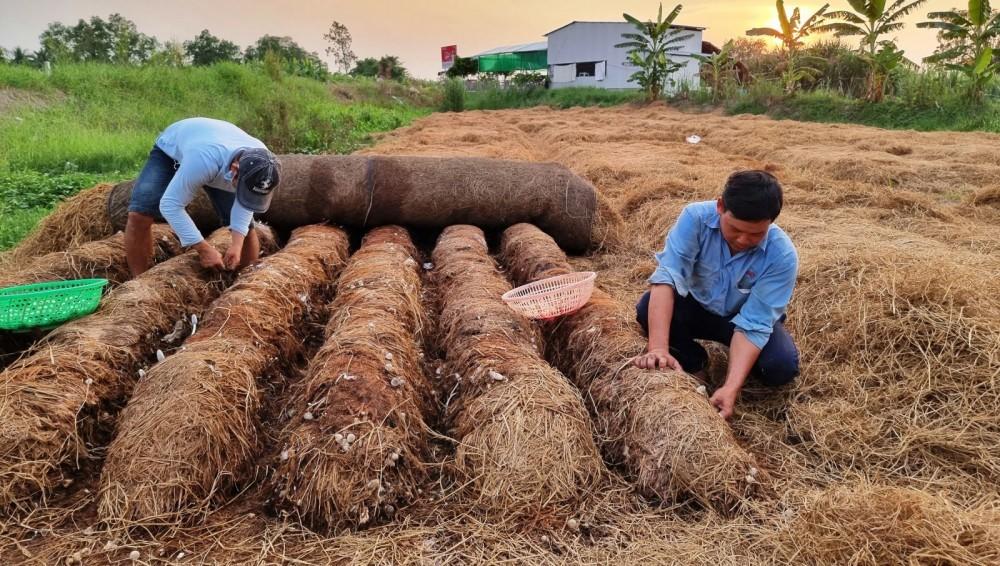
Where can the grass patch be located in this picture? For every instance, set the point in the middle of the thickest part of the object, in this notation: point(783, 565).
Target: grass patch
point(495, 98)
point(953, 114)
point(15, 225)
point(88, 123)
point(110, 115)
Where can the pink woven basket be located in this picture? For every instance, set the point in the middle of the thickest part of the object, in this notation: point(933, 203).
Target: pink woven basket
point(549, 298)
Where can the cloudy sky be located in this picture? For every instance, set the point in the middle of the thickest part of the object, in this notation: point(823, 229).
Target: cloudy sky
point(413, 30)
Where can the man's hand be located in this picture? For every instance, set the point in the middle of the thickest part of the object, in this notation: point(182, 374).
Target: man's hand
point(657, 359)
point(209, 257)
point(235, 252)
point(724, 399)
point(233, 257)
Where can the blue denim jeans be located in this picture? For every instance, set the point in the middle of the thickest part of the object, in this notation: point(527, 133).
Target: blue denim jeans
point(777, 364)
point(153, 181)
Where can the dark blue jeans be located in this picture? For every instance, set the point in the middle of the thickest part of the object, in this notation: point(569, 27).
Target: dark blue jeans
point(153, 181)
point(777, 364)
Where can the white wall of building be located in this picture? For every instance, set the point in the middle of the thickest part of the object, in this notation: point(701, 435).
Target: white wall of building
point(590, 42)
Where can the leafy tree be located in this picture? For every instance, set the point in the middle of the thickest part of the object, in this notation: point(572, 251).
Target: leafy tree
point(128, 45)
point(463, 67)
point(206, 49)
point(116, 40)
point(340, 46)
point(650, 49)
point(389, 67)
point(367, 67)
point(871, 20)
point(171, 55)
point(976, 30)
point(283, 47)
point(296, 60)
point(57, 43)
point(792, 35)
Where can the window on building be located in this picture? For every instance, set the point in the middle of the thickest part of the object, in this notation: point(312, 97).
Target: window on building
point(586, 69)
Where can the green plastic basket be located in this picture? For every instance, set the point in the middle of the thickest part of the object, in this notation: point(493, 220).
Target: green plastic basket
point(44, 305)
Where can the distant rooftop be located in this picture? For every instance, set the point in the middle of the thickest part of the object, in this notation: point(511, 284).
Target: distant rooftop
point(691, 28)
point(522, 48)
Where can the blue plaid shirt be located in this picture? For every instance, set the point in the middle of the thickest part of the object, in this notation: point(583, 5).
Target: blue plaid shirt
point(751, 288)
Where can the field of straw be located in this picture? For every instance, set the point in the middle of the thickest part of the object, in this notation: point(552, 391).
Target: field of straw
point(450, 431)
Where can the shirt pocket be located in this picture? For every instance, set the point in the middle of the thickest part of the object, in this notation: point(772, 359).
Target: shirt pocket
point(747, 281)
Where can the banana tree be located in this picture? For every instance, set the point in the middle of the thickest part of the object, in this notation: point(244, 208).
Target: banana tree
point(719, 69)
point(649, 50)
point(978, 28)
point(792, 35)
point(871, 20)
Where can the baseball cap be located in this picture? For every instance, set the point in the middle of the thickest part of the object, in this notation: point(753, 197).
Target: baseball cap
point(258, 177)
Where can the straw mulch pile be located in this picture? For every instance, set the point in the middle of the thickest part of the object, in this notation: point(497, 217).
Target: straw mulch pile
point(882, 451)
point(525, 442)
point(657, 424)
point(862, 524)
point(60, 397)
point(356, 443)
point(103, 259)
point(190, 431)
point(79, 219)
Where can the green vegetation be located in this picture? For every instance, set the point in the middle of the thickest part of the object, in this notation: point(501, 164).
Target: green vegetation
point(454, 96)
point(91, 122)
point(493, 98)
point(969, 38)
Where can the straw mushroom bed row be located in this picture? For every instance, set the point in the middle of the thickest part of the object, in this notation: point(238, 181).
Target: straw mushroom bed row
point(422, 380)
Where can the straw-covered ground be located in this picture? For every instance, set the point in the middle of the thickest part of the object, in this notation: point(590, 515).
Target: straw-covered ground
point(884, 450)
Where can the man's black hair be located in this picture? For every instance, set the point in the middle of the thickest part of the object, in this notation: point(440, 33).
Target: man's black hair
point(753, 196)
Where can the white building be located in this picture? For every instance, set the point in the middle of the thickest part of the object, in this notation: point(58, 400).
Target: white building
point(584, 54)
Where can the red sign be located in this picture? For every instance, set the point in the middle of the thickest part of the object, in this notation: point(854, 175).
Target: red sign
point(448, 54)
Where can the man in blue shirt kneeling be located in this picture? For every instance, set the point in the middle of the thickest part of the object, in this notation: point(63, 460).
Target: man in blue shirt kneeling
point(235, 169)
point(726, 274)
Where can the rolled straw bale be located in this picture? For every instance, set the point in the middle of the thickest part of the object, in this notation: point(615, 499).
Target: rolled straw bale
point(429, 192)
point(79, 219)
point(58, 397)
point(104, 259)
point(200, 209)
point(866, 525)
point(189, 433)
point(525, 440)
point(357, 439)
point(667, 435)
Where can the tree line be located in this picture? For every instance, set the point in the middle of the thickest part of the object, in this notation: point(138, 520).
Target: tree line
point(117, 40)
point(967, 42)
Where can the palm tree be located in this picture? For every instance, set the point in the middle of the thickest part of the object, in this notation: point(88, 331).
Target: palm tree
point(792, 35)
point(650, 49)
point(871, 20)
point(20, 57)
point(978, 28)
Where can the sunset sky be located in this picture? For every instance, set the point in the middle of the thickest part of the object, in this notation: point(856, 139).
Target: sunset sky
point(412, 30)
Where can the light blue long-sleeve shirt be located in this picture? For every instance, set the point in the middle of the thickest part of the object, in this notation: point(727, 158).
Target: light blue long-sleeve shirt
point(752, 288)
point(204, 149)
